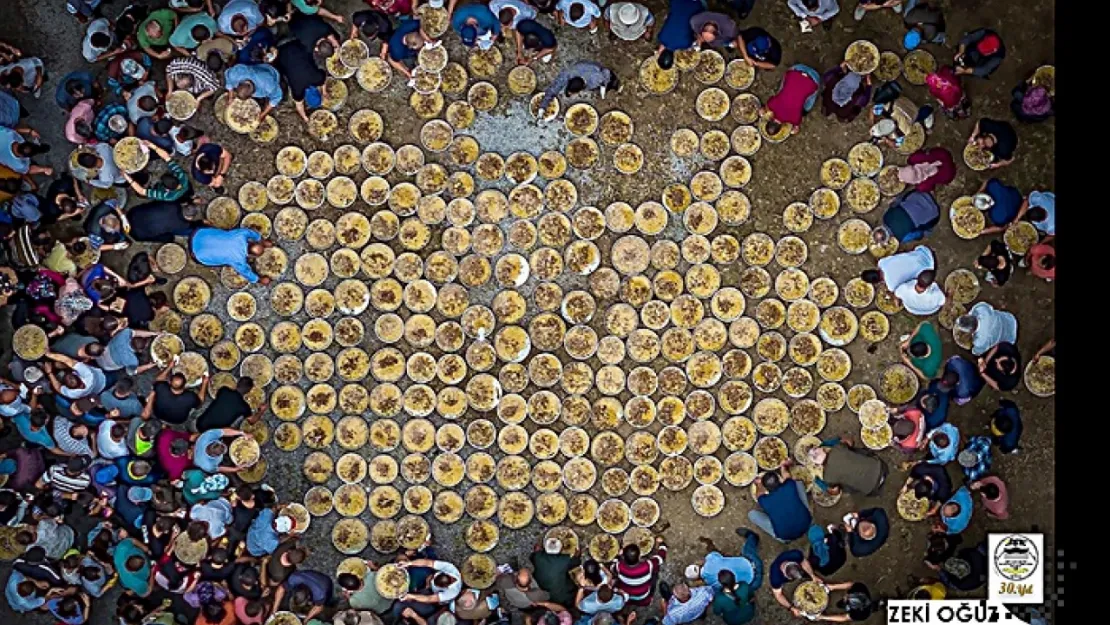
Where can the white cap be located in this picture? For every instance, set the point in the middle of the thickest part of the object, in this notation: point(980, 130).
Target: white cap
point(553, 546)
point(983, 201)
point(628, 20)
point(693, 572)
point(283, 524)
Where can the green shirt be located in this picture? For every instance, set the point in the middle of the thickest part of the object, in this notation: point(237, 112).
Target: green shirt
point(304, 7)
point(552, 573)
point(167, 18)
point(930, 364)
point(159, 193)
point(368, 598)
point(735, 610)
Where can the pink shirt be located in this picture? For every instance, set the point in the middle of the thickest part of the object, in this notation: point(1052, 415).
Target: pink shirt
point(1035, 254)
point(241, 613)
point(788, 104)
point(173, 465)
point(998, 508)
point(82, 111)
point(911, 443)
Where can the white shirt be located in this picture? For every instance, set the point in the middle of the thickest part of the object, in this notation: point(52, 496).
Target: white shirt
point(107, 447)
point(448, 594)
point(906, 266)
point(522, 11)
point(995, 326)
point(591, 11)
point(88, 50)
point(920, 304)
point(91, 377)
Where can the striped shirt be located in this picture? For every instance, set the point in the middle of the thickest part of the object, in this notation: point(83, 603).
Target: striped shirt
point(66, 442)
point(56, 476)
point(679, 612)
point(636, 579)
point(204, 79)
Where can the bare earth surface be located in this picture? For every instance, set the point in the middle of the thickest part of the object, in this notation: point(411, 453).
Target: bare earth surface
point(782, 174)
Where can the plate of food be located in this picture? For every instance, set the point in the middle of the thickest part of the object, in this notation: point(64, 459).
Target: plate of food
point(862, 57)
point(1040, 376)
point(917, 65)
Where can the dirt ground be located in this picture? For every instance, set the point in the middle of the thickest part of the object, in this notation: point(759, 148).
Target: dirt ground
point(782, 174)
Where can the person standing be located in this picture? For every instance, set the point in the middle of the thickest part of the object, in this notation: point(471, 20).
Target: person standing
point(553, 569)
point(636, 576)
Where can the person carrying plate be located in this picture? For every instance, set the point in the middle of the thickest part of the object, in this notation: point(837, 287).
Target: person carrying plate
point(582, 76)
point(996, 137)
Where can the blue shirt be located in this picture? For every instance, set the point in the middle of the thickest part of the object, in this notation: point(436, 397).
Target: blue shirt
point(959, 523)
point(532, 27)
point(1007, 202)
point(9, 109)
point(939, 414)
point(398, 51)
point(944, 455)
point(789, 516)
point(778, 580)
point(247, 8)
point(679, 612)
point(201, 457)
point(262, 538)
point(15, 601)
point(971, 381)
point(590, 604)
point(119, 354)
point(76, 619)
point(182, 36)
point(524, 11)
point(266, 79)
point(213, 247)
point(38, 437)
point(995, 326)
point(676, 33)
point(487, 21)
point(1047, 201)
point(138, 582)
point(715, 562)
point(1008, 442)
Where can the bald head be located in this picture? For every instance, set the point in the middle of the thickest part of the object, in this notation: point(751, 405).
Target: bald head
point(524, 578)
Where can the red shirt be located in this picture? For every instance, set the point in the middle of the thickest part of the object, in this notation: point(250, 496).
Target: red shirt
point(945, 174)
point(788, 104)
point(173, 465)
point(1036, 253)
point(911, 442)
point(392, 7)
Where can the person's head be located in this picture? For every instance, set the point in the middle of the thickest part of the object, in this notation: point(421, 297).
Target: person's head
point(100, 40)
point(941, 440)
point(791, 570)
point(630, 554)
point(771, 480)
point(967, 323)
point(91, 573)
point(902, 428)
point(682, 592)
point(866, 530)
point(926, 278)
point(69, 606)
point(575, 85)
point(214, 61)
point(443, 580)
point(123, 387)
point(254, 608)
point(812, 5)
point(214, 611)
point(323, 50)
point(245, 89)
point(467, 600)
point(469, 34)
point(72, 381)
point(256, 249)
point(216, 449)
point(147, 431)
point(523, 579)
point(1047, 262)
point(182, 82)
point(921, 594)
point(301, 595)
point(950, 509)
point(239, 25)
point(178, 381)
point(26, 588)
point(76, 464)
point(817, 456)
point(591, 569)
point(248, 577)
point(552, 546)
point(709, 32)
point(76, 89)
point(179, 448)
point(773, 127)
point(550, 618)
point(153, 29)
point(13, 79)
point(505, 16)
point(296, 556)
point(159, 300)
point(140, 468)
point(922, 489)
point(928, 402)
point(985, 140)
point(349, 582)
point(532, 42)
point(134, 563)
point(188, 133)
point(201, 32)
point(1006, 364)
point(988, 45)
point(577, 10)
point(605, 593)
point(912, 39)
point(991, 491)
point(989, 262)
point(871, 276)
point(666, 59)
point(727, 579)
point(1036, 214)
point(164, 525)
point(88, 160)
point(413, 40)
point(919, 349)
point(105, 288)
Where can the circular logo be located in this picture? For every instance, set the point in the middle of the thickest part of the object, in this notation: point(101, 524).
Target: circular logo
point(1016, 558)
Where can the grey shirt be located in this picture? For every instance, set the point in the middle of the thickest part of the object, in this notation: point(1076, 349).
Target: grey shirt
point(852, 470)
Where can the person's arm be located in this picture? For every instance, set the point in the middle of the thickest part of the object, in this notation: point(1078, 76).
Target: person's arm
point(836, 618)
point(974, 133)
point(338, 19)
point(554, 607)
point(139, 189)
point(279, 594)
point(399, 66)
point(520, 58)
point(411, 615)
point(998, 164)
point(203, 392)
point(808, 568)
point(781, 598)
point(906, 360)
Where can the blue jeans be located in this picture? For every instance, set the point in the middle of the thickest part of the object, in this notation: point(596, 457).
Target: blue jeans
point(751, 552)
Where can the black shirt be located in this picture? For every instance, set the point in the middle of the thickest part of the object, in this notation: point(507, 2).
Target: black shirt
point(975, 575)
point(242, 516)
point(532, 27)
point(171, 407)
point(1005, 138)
point(1005, 381)
point(373, 16)
point(310, 29)
point(1002, 274)
point(235, 583)
point(861, 547)
point(211, 573)
point(137, 307)
point(772, 55)
point(297, 65)
point(937, 555)
point(838, 555)
point(275, 570)
point(227, 408)
point(155, 221)
point(942, 484)
point(858, 602)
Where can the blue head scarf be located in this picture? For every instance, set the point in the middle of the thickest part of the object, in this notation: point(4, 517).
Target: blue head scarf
point(816, 537)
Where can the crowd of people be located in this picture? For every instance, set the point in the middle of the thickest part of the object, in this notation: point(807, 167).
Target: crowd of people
point(112, 488)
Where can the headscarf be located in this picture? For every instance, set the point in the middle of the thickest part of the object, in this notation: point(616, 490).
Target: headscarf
point(845, 88)
point(211, 484)
point(71, 302)
point(1036, 102)
point(816, 537)
point(944, 85)
point(916, 174)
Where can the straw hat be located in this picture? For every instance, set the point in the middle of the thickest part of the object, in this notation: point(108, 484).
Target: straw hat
point(629, 20)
